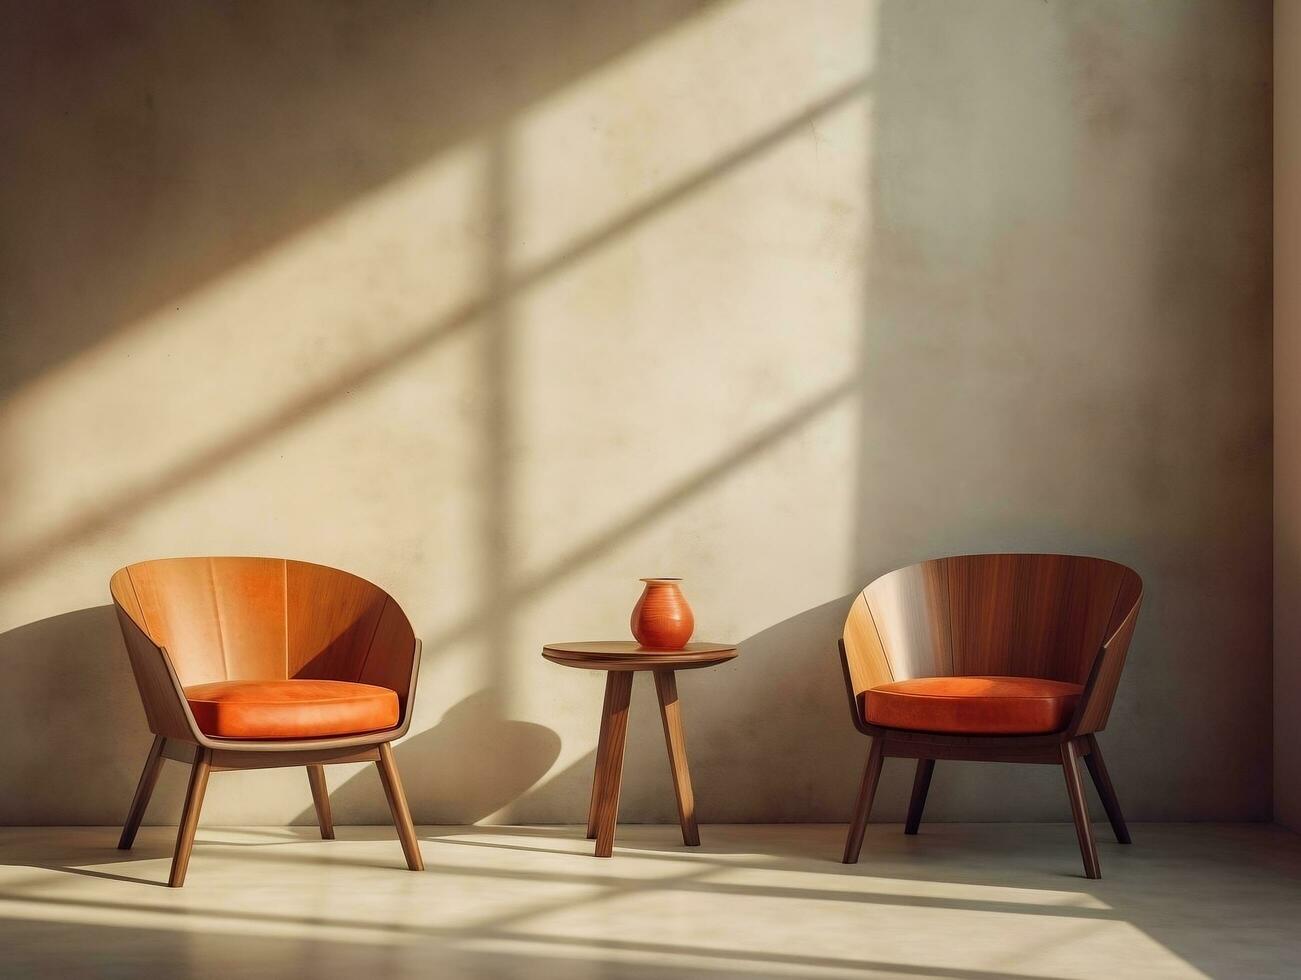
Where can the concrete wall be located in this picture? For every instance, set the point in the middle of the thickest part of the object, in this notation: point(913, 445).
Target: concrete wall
point(1287, 413)
point(505, 305)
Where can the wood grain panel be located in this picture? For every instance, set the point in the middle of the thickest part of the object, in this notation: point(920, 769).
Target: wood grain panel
point(164, 706)
point(982, 603)
point(123, 592)
point(1036, 628)
point(331, 618)
point(179, 612)
point(390, 656)
point(865, 658)
point(1100, 689)
point(1062, 608)
point(910, 608)
point(1030, 615)
point(249, 596)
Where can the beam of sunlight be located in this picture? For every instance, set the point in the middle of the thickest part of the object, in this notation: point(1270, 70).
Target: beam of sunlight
point(114, 477)
point(702, 903)
point(216, 381)
point(920, 889)
point(506, 397)
point(677, 105)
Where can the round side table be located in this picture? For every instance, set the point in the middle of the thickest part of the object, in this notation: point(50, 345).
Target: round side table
point(620, 659)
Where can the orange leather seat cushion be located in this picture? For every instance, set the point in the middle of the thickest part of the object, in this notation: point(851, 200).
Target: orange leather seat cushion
point(291, 709)
point(973, 705)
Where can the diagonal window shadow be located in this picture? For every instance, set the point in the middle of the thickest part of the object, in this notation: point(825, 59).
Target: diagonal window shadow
point(134, 499)
point(290, 111)
point(573, 560)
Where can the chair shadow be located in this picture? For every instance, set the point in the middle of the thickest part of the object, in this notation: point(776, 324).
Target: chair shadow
point(1147, 908)
point(73, 722)
point(77, 738)
point(467, 767)
point(768, 739)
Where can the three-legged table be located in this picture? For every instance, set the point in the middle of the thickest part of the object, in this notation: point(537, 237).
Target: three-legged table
point(621, 660)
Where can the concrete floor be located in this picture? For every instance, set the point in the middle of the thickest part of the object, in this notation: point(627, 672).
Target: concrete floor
point(968, 901)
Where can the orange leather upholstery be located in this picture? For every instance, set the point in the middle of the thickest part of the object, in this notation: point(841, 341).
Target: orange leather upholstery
point(973, 705)
point(291, 708)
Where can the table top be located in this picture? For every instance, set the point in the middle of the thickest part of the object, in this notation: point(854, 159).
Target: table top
point(629, 655)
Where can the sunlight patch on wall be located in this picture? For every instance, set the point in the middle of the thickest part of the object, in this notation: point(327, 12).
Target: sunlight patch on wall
point(684, 401)
point(615, 336)
point(677, 106)
point(232, 368)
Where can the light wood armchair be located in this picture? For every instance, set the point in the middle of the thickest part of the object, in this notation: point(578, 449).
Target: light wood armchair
point(990, 658)
point(253, 663)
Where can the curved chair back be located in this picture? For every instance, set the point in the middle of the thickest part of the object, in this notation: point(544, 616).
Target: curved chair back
point(1060, 617)
point(267, 619)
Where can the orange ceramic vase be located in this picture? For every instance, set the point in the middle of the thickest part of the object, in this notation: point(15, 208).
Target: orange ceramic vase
point(662, 620)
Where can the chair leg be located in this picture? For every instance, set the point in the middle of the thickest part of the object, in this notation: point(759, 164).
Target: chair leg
point(921, 785)
point(1107, 792)
point(1080, 808)
point(863, 805)
point(144, 790)
point(321, 798)
point(397, 803)
point(190, 816)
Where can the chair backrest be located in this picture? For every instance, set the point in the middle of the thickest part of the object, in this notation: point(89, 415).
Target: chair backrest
point(267, 619)
point(1012, 615)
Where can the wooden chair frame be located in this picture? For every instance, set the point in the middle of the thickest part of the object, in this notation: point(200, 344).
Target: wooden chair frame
point(906, 624)
point(177, 735)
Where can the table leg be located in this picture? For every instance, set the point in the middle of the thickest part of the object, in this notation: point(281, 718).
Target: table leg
point(602, 746)
point(609, 764)
point(666, 686)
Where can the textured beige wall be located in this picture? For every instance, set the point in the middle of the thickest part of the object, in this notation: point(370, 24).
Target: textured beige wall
point(1287, 413)
point(504, 305)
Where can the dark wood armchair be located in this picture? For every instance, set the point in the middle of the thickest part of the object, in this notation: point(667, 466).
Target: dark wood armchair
point(254, 663)
point(990, 658)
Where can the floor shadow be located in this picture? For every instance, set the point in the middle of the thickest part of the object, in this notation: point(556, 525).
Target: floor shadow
point(976, 870)
point(1152, 885)
point(49, 949)
point(150, 858)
